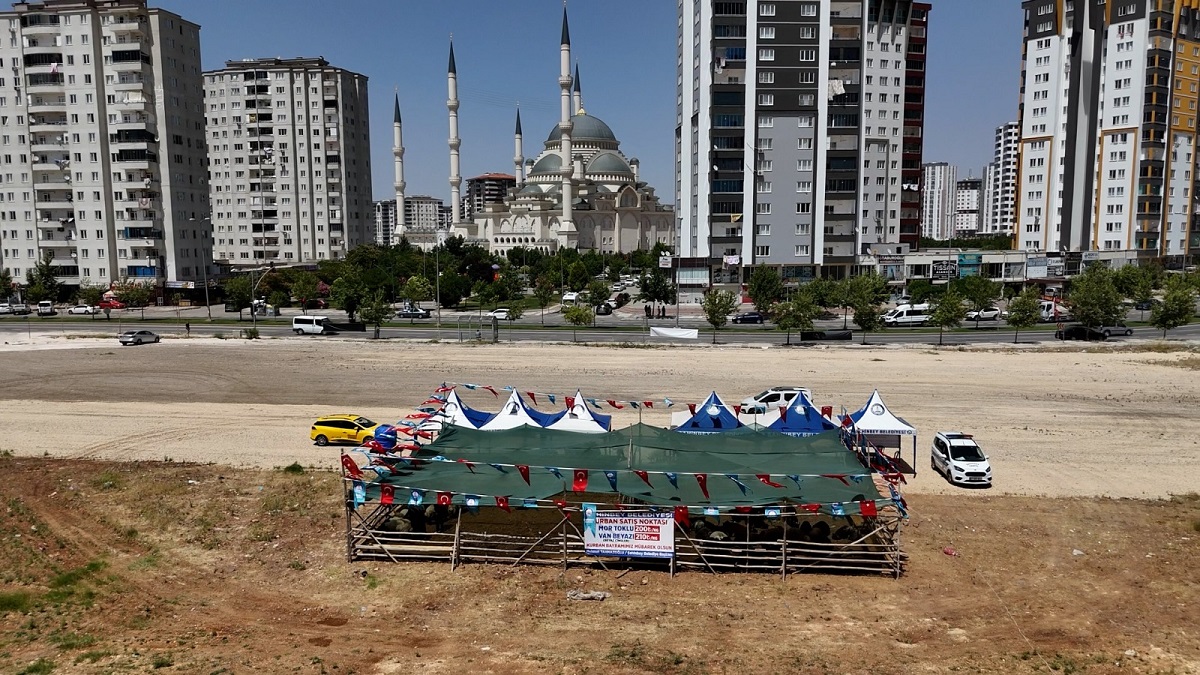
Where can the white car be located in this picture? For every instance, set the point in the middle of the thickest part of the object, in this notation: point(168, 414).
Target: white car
point(775, 397)
point(959, 458)
point(988, 314)
point(5, 308)
point(83, 309)
point(500, 314)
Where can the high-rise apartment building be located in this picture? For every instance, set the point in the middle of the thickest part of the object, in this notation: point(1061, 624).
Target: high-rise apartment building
point(1000, 181)
point(289, 160)
point(423, 212)
point(937, 200)
point(798, 132)
point(1108, 126)
point(384, 224)
point(968, 200)
point(104, 159)
point(490, 188)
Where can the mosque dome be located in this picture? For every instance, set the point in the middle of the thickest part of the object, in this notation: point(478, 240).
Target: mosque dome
point(531, 189)
point(608, 162)
point(551, 163)
point(586, 128)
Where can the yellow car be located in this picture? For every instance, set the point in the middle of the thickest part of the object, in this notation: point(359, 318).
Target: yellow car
point(354, 429)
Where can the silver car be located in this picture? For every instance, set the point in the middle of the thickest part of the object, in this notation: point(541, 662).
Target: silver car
point(138, 337)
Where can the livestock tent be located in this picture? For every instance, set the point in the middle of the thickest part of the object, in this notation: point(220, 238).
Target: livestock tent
point(882, 428)
point(710, 417)
point(579, 418)
point(800, 419)
point(456, 413)
point(515, 413)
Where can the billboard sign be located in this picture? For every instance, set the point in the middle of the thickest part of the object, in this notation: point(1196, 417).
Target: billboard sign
point(628, 534)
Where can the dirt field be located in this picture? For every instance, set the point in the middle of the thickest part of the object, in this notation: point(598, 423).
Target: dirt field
point(135, 566)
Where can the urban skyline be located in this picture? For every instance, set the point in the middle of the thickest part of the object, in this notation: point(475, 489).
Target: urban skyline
point(973, 75)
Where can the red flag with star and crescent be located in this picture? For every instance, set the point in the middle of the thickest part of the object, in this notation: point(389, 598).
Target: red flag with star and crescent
point(702, 480)
point(580, 480)
point(444, 499)
point(524, 471)
point(502, 502)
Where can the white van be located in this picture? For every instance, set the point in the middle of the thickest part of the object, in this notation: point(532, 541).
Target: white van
point(570, 298)
point(1053, 311)
point(907, 315)
point(312, 325)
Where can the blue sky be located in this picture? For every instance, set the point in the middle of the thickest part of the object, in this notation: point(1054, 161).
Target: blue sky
point(507, 52)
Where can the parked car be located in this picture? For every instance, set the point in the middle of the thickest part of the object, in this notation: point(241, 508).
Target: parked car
point(138, 337)
point(5, 308)
point(986, 314)
point(1118, 328)
point(603, 309)
point(111, 303)
point(1147, 305)
point(775, 397)
point(21, 308)
point(959, 458)
point(413, 313)
point(354, 429)
point(83, 309)
point(750, 317)
point(46, 308)
point(500, 313)
point(1080, 332)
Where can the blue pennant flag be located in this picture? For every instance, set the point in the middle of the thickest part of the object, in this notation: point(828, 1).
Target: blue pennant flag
point(439, 458)
point(498, 468)
point(771, 512)
point(360, 493)
point(556, 472)
point(669, 402)
point(733, 477)
point(594, 403)
point(612, 479)
point(472, 503)
point(857, 479)
point(673, 477)
point(550, 397)
point(795, 478)
point(472, 387)
point(507, 388)
point(712, 511)
point(529, 503)
point(836, 509)
point(416, 497)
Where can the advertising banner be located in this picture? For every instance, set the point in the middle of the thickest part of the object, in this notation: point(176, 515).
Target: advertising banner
point(944, 270)
point(664, 262)
point(628, 534)
point(1037, 268)
point(969, 264)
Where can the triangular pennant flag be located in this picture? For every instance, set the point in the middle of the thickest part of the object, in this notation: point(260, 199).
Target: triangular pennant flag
point(570, 402)
point(444, 499)
point(733, 477)
point(472, 387)
point(373, 446)
point(766, 479)
point(470, 466)
point(742, 509)
point(712, 511)
point(795, 478)
point(868, 509)
point(836, 509)
point(837, 476)
point(532, 397)
point(560, 503)
point(415, 497)
point(472, 502)
point(681, 516)
point(387, 494)
point(672, 478)
point(612, 479)
point(492, 389)
point(783, 413)
point(692, 408)
point(846, 421)
point(737, 409)
point(350, 467)
point(648, 404)
point(634, 405)
point(528, 503)
point(498, 467)
point(444, 389)
point(702, 479)
point(579, 481)
point(668, 402)
point(614, 404)
point(810, 508)
point(771, 512)
point(524, 471)
point(549, 397)
point(643, 475)
point(556, 472)
point(360, 493)
point(502, 502)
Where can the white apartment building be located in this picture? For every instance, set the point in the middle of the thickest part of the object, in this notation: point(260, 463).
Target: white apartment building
point(938, 184)
point(289, 160)
point(1000, 181)
point(101, 143)
point(968, 198)
point(421, 212)
point(385, 222)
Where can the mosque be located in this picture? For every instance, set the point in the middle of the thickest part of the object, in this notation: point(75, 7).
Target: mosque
point(580, 192)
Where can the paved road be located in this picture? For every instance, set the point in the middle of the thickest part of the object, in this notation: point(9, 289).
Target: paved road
point(524, 331)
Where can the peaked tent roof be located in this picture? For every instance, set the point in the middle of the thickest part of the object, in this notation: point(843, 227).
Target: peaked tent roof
point(712, 416)
point(875, 418)
point(580, 418)
point(515, 414)
point(803, 419)
point(455, 412)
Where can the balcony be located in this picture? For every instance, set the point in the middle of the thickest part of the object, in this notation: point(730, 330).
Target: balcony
point(43, 82)
point(48, 121)
point(57, 161)
point(133, 101)
point(67, 243)
point(56, 203)
point(129, 83)
point(40, 24)
point(143, 272)
point(120, 25)
point(52, 181)
point(135, 158)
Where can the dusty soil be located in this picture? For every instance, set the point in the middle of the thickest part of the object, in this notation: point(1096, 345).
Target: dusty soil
point(138, 564)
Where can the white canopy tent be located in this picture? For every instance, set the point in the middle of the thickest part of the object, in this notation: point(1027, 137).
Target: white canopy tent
point(882, 428)
point(580, 418)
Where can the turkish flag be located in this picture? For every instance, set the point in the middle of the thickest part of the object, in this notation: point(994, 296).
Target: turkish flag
point(737, 410)
point(811, 508)
point(836, 476)
point(742, 509)
point(470, 466)
point(444, 499)
point(648, 404)
point(570, 403)
point(524, 471)
point(681, 516)
point(868, 509)
point(643, 475)
point(846, 421)
point(350, 467)
point(783, 413)
point(502, 502)
point(560, 503)
point(702, 479)
point(387, 494)
point(766, 479)
point(579, 484)
point(373, 446)
point(692, 408)
point(493, 390)
point(614, 404)
point(532, 397)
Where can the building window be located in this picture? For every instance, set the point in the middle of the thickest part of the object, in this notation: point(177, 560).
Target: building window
point(766, 54)
point(762, 251)
point(766, 32)
point(766, 9)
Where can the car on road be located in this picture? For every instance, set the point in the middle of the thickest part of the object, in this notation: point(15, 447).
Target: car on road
point(111, 304)
point(354, 429)
point(986, 314)
point(138, 337)
point(500, 314)
point(603, 309)
point(5, 308)
point(1080, 332)
point(1118, 328)
point(750, 317)
point(83, 309)
point(413, 313)
point(959, 458)
point(775, 397)
point(21, 308)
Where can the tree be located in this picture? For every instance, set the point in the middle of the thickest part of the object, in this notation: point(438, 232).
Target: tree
point(1177, 307)
point(839, 296)
point(544, 292)
point(766, 288)
point(348, 292)
point(598, 291)
point(1094, 298)
point(615, 267)
point(796, 314)
point(577, 315)
point(717, 306)
point(304, 287)
point(1024, 311)
point(135, 294)
point(655, 287)
point(417, 289)
point(821, 289)
point(452, 288)
point(41, 281)
point(374, 310)
point(577, 276)
point(866, 317)
point(921, 291)
point(237, 292)
point(6, 283)
point(980, 293)
point(948, 313)
point(515, 312)
point(485, 293)
point(90, 295)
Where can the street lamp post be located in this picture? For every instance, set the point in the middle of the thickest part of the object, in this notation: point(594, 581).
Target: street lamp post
point(206, 257)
